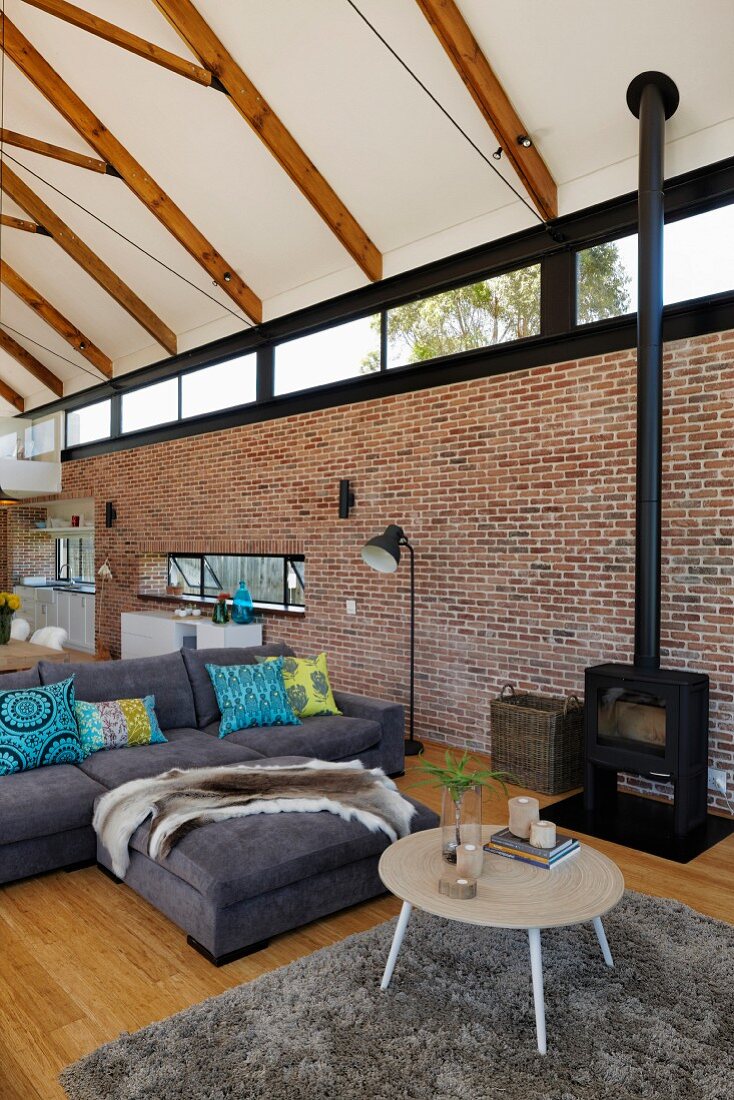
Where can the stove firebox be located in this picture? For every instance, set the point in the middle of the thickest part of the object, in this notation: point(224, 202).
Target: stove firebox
point(652, 723)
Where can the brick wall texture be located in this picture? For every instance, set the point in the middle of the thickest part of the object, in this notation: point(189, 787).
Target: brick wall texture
point(518, 495)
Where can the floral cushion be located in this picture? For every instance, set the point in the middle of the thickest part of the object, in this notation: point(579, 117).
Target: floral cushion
point(38, 727)
point(251, 695)
point(306, 680)
point(118, 724)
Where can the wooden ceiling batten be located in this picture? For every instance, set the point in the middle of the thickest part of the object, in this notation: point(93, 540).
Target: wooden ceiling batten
point(29, 362)
point(55, 319)
point(203, 42)
point(57, 152)
point(66, 238)
point(11, 396)
point(61, 96)
point(490, 97)
point(86, 21)
point(20, 223)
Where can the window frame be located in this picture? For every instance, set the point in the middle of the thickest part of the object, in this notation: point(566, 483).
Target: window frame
point(202, 596)
point(554, 245)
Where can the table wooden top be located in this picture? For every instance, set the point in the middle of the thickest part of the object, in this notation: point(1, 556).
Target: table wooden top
point(510, 894)
point(19, 655)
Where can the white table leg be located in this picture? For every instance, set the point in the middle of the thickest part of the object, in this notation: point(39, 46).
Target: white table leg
point(536, 967)
point(602, 938)
point(396, 943)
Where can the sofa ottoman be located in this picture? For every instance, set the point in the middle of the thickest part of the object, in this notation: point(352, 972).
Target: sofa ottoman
point(233, 884)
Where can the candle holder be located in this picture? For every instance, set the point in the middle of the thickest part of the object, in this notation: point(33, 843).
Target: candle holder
point(523, 812)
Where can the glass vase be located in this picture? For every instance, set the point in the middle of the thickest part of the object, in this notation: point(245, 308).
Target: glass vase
point(242, 609)
point(220, 614)
point(5, 621)
point(461, 819)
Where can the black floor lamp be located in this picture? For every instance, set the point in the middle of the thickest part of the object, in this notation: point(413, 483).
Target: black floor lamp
point(383, 554)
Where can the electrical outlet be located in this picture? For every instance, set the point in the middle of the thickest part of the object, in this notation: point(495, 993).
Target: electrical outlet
point(717, 780)
point(351, 607)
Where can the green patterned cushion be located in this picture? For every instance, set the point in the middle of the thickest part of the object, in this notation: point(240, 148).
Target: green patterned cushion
point(251, 695)
point(38, 727)
point(306, 680)
point(118, 724)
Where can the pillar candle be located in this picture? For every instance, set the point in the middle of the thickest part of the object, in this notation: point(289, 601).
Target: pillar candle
point(523, 812)
point(543, 834)
point(469, 861)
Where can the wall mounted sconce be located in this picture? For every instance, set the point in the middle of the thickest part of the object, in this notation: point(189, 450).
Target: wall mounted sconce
point(346, 498)
point(110, 515)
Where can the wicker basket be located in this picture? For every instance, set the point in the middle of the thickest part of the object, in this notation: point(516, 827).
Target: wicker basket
point(538, 740)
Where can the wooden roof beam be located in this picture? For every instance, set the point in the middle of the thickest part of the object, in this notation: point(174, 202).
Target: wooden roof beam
point(29, 362)
point(46, 149)
point(112, 151)
point(11, 396)
point(203, 42)
point(70, 13)
point(66, 238)
point(490, 97)
point(20, 223)
point(55, 319)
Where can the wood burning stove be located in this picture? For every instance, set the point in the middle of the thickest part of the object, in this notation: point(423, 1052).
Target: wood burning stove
point(640, 718)
point(651, 722)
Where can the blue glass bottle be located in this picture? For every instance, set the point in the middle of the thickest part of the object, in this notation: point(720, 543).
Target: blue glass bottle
point(242, 609)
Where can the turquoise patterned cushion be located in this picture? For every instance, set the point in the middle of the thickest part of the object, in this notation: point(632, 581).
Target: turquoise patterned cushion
point(251, 695)
point(38, 727)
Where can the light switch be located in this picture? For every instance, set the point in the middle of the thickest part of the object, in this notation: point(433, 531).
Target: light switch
point(351, 607)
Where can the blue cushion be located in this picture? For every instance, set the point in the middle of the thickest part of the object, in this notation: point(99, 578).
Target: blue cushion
point(38, 727)
point(251, 695)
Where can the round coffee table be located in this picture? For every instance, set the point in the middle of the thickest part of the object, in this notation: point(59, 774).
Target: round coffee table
point(510, 894)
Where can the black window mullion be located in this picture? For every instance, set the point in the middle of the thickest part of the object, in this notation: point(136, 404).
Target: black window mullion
point(265, 376)
point(558, 293)
point(383, 340)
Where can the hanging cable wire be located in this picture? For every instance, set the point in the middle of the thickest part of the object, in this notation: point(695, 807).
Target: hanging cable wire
point(76, 366)
point(443, 110)
point(124, 237)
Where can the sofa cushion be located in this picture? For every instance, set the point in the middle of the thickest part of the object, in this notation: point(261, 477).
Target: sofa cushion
point(45, 801)
point(240, 858)
point(185, 748)
point(29, 678)
point(38, 728)
point(164, 677)
point(251, 696)
point(329, 737)
point(196, 661)
point(118, 724)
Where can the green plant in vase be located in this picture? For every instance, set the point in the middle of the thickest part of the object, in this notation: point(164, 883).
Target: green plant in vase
point(462, 783)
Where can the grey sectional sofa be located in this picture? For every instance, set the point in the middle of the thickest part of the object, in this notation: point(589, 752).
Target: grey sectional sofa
point(233, 884)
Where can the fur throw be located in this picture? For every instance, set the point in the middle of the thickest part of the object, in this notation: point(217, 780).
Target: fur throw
point(179, 801)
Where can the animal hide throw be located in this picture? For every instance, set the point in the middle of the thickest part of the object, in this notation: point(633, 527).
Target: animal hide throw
point(179, 801)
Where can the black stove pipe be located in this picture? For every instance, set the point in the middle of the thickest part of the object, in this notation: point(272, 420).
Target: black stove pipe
point(652, 97)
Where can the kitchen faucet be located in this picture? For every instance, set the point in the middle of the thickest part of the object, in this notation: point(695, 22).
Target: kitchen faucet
point(66, 566)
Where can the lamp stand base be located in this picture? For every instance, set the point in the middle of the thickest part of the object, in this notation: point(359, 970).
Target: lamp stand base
point(413, 748)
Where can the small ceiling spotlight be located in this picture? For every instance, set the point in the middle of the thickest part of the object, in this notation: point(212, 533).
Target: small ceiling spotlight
point(227, 277)
point(525, 141)
point(497, 154)
point(82, 345)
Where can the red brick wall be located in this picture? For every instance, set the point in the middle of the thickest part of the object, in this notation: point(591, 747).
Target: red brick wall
point(518, 494)
point(27, 553)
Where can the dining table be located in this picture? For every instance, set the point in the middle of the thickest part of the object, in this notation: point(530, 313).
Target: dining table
point(15, 655)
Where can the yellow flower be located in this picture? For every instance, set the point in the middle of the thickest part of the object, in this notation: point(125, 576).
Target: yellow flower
point(13, 602)
point(3, 596)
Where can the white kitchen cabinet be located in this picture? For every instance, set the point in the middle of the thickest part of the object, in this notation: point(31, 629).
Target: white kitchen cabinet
point(63, 610)
point(28, 609)
point(77, 621)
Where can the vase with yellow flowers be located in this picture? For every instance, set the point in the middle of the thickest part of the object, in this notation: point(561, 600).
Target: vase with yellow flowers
point(9, 604)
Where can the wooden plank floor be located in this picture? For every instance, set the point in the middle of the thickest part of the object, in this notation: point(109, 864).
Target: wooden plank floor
point(84, 959)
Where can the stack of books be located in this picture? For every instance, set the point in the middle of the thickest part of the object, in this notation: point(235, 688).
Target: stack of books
point(504, 843)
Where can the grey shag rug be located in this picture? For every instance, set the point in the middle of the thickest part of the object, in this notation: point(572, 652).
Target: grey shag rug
point(457, 1022)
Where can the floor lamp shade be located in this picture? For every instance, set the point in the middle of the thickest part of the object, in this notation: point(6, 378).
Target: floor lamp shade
point(382, 553)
